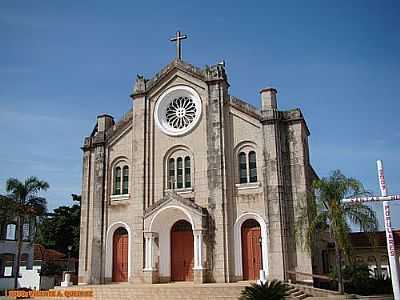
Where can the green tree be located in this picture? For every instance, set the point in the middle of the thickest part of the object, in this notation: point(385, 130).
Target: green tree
point(326, 212)
point(272, 290)
point(61, 229)
point(22, 204)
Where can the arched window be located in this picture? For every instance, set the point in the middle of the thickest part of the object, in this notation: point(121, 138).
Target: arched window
point(117, 181)
point(242, 168)
point(188, 182)
point(247, 162)
point(125, 180)
point(179, 173)
point(252, 166)
point(171, 173)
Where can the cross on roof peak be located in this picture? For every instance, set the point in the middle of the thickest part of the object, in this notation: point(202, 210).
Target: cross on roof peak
point(178, 37)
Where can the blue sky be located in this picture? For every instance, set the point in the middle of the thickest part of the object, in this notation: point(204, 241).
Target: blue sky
point(64, 62)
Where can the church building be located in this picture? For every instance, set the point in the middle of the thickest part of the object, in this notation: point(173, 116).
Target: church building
point(193, 184)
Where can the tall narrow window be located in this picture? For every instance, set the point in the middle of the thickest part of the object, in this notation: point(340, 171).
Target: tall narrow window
point(25, 232)
point(179, 173)
point(242, 168)
point(117, 181)
point(125, 180)
point(188, 182)
point(10, 234)
point(253, 166)
point(171, 173)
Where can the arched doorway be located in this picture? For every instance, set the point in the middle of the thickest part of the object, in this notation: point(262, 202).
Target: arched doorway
point(251, 249)
point(182, 251)
point(120, 255)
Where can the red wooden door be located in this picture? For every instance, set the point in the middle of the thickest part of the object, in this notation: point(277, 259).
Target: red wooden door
point(120, 255)
point(251, 250)
point(182, 252)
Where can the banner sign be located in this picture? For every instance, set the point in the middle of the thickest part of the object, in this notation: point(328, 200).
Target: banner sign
point(381, 178)
point(372, 199)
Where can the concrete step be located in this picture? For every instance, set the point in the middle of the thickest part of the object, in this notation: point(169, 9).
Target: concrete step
point(178, 291)
point(297, 294)
point(184, 290)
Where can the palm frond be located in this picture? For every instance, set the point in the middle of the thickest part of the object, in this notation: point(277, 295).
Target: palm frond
point(7, 208)
point(272, 290)
point(36, 206)
point(33, 185)
point(14, 186)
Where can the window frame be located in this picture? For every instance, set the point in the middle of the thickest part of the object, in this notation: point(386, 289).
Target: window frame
point(125, 180)
point(6, 232)
point(117, 179)
point(243, 165)
point(180, 178)
point(249, 156)
point(123, 167)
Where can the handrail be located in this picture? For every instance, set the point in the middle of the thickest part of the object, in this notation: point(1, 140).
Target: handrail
point(310, 275)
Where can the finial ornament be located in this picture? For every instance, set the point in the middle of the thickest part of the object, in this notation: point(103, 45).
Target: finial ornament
point(178, 37)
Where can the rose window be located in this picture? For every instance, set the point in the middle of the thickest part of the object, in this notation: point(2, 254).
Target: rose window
point(178, 110)
point(181, 112)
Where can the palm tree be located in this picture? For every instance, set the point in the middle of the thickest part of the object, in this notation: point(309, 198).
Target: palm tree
point(326, 212)
point(273, 290)
point(23, 205)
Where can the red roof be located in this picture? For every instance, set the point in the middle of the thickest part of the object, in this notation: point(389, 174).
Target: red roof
point(41, 253)
point(361, 240)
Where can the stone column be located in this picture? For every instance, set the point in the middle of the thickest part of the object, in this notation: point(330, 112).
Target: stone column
point(198, 270)
point(139, 132)
point(150, 270)
point(218, 207)
point(275, 204)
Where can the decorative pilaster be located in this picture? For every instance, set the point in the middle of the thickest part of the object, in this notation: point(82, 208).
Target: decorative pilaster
point(198, 249)
point(198, 269)
point(150, 270)
point(149, 251)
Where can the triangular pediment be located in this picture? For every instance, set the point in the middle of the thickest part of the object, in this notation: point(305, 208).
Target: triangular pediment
point(170, 199)
point(173, 67)
point(208, 73)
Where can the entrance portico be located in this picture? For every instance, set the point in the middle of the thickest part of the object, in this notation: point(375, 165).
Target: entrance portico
point(174, 225)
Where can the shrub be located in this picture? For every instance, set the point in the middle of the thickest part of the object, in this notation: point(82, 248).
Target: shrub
point(273, 290)
point(358, 280)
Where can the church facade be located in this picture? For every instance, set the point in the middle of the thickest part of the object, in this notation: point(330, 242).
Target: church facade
point(193, 184)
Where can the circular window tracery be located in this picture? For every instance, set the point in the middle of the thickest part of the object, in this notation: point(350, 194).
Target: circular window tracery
point(181, 112)
point(177, 110)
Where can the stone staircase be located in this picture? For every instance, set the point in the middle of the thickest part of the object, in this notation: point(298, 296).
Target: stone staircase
point(297, 293)
point(170, 291)
point(189, 291)
point(182, 290)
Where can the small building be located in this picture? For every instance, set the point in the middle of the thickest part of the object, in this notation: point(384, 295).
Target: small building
point(30, 268)
point(8, 250)
point(374, 255)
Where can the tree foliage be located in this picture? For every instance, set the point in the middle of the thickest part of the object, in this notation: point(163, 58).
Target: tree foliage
point(271, 290)
point(324, 211)
point(61, 229)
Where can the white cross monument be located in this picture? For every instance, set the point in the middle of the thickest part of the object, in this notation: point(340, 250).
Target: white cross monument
point(393, 260)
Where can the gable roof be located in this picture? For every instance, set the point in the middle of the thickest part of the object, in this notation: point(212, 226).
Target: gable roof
point(43, 254)
point(209, 73)
point(361, 240)
point(171, 197)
